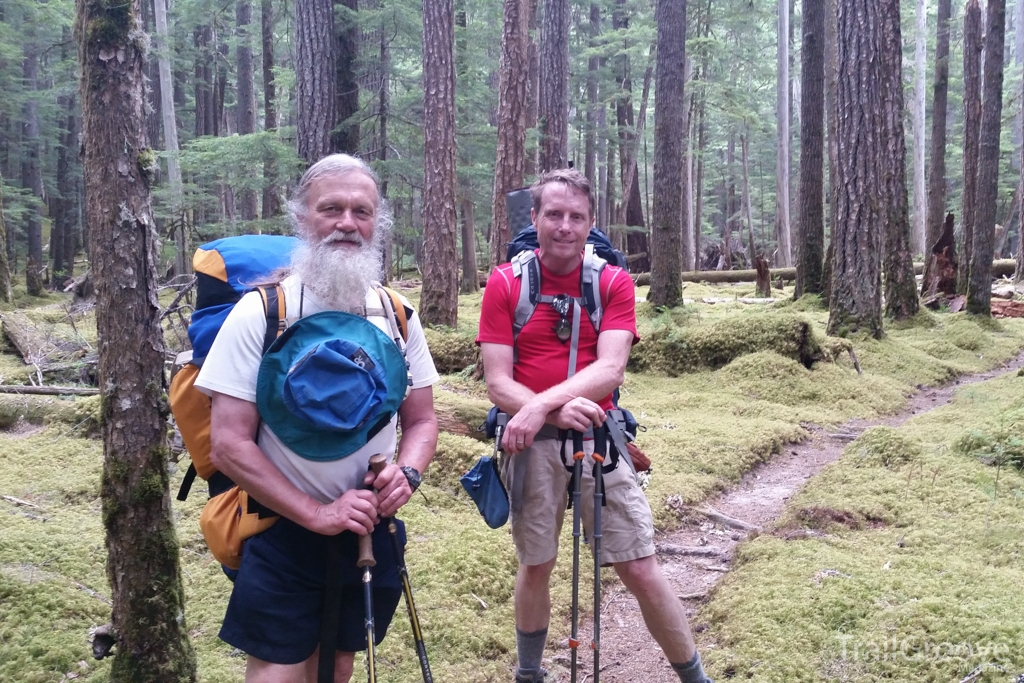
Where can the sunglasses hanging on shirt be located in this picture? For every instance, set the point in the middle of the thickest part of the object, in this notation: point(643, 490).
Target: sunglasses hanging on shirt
point(563, 307)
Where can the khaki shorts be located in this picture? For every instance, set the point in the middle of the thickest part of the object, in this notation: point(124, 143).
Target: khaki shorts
point(539, 502)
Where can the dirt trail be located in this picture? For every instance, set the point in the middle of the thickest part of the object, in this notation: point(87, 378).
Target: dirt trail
point(628, 653)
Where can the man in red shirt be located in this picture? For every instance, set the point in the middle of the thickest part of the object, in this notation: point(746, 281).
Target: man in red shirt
point(528, 377)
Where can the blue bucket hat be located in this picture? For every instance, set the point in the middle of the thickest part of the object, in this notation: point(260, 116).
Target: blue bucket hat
point(329, 383)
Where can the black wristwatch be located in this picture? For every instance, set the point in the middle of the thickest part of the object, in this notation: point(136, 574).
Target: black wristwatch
point(412, 476)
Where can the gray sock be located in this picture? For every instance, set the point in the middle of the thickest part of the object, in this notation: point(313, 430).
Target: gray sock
point(692, 671)
point(530, 648)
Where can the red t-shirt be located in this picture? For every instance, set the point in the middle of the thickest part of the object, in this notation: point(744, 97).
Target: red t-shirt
point(543, 360)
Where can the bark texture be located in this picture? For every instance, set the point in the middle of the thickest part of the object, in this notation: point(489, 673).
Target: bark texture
point(512, 77)
point(855, 301)
point(810, 242)
point(345, 137)
point(245, 96)
point(142, 547)
point(271, 198)
point(898, 262)
point(669, 119)
point(979, 284)
point(920, 78)
point(937, 163)
point(554, 86)
point(972, 131)
point(31, 171)
point(315, 66)
point(439, 302)
point(782, 229)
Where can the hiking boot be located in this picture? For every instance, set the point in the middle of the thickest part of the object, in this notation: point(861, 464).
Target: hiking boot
point(532, 678)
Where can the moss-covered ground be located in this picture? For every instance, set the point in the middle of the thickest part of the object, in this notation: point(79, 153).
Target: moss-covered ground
point(704, 430)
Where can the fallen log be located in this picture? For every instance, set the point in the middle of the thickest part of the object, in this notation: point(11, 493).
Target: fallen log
point(727, 521)
point(48, 409)
point(47, 391)
point(695, 550)
point(30, 344)
point(1007, 309)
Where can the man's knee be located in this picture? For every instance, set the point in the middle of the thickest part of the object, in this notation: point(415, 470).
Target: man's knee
point(343, 666)
point(537, 574)
point(639, 574)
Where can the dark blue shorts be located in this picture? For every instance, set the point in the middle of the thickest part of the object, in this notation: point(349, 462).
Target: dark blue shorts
point(277, 603)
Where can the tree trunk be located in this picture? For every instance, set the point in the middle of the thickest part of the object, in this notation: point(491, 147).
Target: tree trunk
point(669, 120)
point(202, 37)
point(593, 65)
point(245, 96)
point(69, 193)
point(470, 280)
point(143, 569)
point(271, 198)
point(979, 284)
point(782, 129)
point(747, 209)
point(532, 90)
point(346, 136)
point(31, 172)
point(832, 115)
point(811, 219)
point(972, 131)
point(511, 153)
point(855, 302)
point(686, 253)
point(898, 263)
point(554, 86)
point(937, 166)
point(920, 58)
point(439, 301)
point(698, 212)
point(170, 128)
point(315, 73)
point(6, 293)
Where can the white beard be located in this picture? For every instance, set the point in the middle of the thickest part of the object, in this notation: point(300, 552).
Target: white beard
point(339, 277)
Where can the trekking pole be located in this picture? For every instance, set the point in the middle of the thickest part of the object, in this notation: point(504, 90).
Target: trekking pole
point(365, 562)
point(577, 476)
point(598, 501)
point(377, 463)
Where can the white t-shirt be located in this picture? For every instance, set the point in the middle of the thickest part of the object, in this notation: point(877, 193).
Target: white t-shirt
point(233, 364)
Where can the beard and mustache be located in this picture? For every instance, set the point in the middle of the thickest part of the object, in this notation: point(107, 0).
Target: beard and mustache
point(341, 277)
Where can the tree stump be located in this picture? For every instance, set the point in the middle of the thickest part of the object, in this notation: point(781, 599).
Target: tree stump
point(940, 273)
point(764, 277)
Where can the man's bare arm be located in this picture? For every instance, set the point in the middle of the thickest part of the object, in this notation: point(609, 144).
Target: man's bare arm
point(571, 404)
point(416, 449)
point(234, 452)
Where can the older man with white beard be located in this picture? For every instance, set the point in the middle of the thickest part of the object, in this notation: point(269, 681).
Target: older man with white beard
point(277, 603)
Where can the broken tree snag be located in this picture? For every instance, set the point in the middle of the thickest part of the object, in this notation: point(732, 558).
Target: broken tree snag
point(940, 274)
point(764, 277)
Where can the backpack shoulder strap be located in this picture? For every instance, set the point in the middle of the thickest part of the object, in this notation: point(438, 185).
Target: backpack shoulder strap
point(590, 285)
point(526, 268)
point(275, 308)
point(397, 309)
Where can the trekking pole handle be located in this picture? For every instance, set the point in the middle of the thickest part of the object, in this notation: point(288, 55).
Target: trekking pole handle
point(377, 463)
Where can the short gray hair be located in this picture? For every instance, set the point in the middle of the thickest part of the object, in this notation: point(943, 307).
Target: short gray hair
point(335, 164)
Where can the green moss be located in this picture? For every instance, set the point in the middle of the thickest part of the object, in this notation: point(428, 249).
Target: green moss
point(452, 351)
point(885, 447)
point(673, 350)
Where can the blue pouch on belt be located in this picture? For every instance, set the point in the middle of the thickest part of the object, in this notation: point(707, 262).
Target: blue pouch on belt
point(483, 484)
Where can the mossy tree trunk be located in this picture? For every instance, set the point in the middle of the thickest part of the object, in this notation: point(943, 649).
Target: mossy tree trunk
point(855, 301)
point(900, 287)
point(669, 121)
point(142, 548)
point(972, 129)
point(979, 284)
point(810, 222)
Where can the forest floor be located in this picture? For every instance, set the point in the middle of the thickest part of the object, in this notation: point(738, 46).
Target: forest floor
point(747, 434)
point(695, 556)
